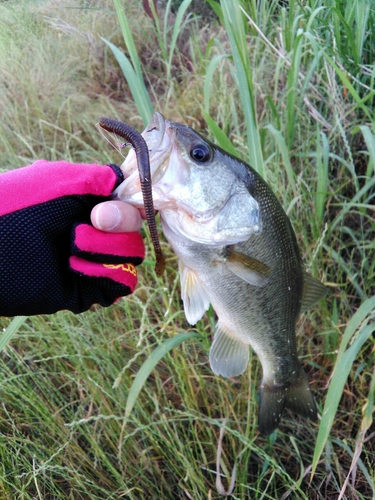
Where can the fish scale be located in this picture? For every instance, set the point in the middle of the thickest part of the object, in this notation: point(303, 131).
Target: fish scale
point(237, 251)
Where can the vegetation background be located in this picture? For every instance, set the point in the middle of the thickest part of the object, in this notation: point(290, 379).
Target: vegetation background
point(289, 86)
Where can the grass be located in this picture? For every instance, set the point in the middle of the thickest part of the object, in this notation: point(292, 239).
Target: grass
point(79, 418)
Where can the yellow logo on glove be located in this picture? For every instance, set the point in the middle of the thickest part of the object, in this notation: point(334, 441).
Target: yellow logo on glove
point(128, 268)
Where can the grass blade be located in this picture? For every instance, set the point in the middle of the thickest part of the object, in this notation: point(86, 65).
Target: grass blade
point(11, 330)
point(219, 135)
point(168, 44)
point(210, 71)
point(345, 80)
point(128, 38)
point(322, 161)
point(149, 365)
point(136, 84)
point(280, 141)
point(235, 28)
point(359, 330)
point(362, 11)
point(366, 309)
point(370, 143)
point(292, 82)
point(366, 424)
point(132, 70)
point(177, 30)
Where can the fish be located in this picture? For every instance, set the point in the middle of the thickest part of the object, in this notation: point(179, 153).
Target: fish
point(237, 251)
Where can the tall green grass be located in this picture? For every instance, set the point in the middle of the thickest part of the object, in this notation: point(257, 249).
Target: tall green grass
point(131, 66)
point(102, 405)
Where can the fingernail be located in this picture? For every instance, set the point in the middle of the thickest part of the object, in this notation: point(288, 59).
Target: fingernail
point(108, 217)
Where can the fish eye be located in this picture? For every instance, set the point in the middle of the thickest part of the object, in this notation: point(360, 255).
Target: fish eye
point(200, 153)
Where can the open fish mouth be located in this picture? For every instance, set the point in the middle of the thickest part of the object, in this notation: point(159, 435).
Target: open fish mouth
point(197, 196)
point(159, 136)
point(237, 251)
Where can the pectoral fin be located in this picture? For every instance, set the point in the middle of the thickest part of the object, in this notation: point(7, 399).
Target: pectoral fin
point(313, 290)
point(250, 270)
point(194, 295)
point(228, 356)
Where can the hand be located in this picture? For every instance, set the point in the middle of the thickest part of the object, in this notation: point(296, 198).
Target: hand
point(52, 258)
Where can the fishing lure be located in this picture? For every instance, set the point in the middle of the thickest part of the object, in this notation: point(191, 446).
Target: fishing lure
point(135, 139)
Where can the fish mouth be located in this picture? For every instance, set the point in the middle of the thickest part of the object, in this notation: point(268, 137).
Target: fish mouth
point(159, 137)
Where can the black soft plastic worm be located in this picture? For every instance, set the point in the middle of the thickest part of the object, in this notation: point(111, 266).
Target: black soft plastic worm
point(143, 160)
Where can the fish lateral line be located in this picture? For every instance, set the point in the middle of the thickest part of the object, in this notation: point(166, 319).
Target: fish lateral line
point(236, 250)
point(140, 147)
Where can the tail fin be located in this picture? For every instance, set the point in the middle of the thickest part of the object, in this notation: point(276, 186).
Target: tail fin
point(275, 398)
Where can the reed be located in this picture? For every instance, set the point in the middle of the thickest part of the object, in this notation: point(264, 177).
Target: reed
point(120, 402)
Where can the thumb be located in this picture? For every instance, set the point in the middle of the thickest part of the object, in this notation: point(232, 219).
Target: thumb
point(116, 217)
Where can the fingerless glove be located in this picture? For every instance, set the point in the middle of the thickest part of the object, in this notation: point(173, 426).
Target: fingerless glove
point(51, 257)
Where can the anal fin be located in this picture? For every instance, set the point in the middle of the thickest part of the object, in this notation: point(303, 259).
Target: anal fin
point(228, 355)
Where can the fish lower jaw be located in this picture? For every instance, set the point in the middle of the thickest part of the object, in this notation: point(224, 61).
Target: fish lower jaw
point(186, 227)
point(129, 191)
point(133, 195)
point(135, 200)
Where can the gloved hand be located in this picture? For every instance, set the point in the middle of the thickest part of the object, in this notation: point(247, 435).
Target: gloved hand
point(51, 257)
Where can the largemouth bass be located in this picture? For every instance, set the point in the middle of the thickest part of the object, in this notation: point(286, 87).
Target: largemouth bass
point(237, 251)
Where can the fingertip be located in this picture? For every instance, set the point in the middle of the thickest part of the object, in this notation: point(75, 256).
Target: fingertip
point(116, 217)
